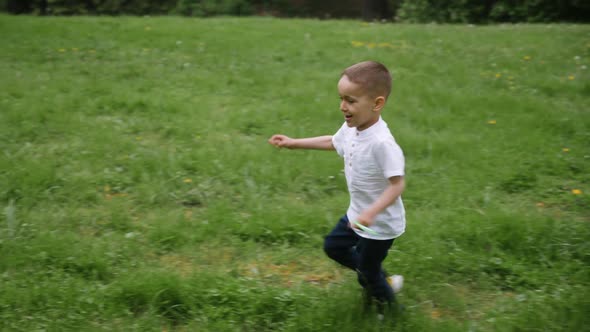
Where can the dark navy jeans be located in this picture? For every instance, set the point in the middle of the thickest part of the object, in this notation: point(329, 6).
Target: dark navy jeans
point(361, 255)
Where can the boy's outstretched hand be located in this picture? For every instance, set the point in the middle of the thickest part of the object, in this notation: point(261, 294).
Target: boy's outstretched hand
point(317, 143)
point(281, 141)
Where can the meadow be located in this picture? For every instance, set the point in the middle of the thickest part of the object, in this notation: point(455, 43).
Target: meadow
point(138, 191)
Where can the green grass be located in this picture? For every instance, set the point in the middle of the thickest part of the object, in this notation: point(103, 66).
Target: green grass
point(139, 192)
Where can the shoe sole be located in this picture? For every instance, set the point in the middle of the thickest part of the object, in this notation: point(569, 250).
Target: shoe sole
point(396, 282)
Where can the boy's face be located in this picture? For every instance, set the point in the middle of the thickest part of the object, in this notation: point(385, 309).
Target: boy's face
point(359, 108)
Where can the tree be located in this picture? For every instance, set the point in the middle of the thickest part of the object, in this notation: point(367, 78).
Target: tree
point(376, 10)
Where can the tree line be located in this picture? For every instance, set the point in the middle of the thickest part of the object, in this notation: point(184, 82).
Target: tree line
point(418, 11)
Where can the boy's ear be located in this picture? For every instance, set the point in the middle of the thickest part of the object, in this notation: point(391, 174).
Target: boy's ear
point(379, 103)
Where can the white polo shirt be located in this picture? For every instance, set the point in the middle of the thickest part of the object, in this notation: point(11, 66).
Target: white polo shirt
point(371, 157)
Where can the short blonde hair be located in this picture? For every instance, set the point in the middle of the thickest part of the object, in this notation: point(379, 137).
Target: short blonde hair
point(372, 76)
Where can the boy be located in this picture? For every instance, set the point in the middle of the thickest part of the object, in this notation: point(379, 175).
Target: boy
point(374, 170)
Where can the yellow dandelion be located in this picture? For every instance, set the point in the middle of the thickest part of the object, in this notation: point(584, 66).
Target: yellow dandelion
point(540, 204)
point(527, 58)
point(492, 122)
point(107, 188)
point(357, 43)
point(571, 77)
point(498, 75)
point(576, 192)
point(565, 149)
point(61, 50)
point(187, 180)
point(371, 45)
point(435, 314)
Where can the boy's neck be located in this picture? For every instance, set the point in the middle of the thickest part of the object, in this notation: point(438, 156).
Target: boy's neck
point(373, 122)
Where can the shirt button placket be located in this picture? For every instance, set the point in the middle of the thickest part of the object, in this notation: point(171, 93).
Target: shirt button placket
point(350, 154)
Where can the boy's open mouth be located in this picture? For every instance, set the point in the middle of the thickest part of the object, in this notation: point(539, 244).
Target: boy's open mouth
point(347, 116)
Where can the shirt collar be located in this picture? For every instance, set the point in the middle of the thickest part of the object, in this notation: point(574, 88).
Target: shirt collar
point(371, 130)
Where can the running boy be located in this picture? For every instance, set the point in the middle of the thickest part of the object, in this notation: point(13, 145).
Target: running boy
point(374, 170)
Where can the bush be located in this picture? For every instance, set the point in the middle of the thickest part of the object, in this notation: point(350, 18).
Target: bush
point(477, 11)
point(417, 11)
point(213, 7)
point(95, 7)
point(531, 11)
point(457, 11)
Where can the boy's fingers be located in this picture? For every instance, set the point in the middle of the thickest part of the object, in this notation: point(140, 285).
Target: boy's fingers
point(276, 143)
point(279, 141)
point(274, 140)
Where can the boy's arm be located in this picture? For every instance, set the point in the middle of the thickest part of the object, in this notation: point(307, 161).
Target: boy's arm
point(317, 143)
point(392, 192)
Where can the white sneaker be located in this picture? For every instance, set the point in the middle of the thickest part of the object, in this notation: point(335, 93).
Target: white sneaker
point(396, 282)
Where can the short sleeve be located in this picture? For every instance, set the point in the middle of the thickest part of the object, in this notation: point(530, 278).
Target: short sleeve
point(338, 140)
point(390, 158)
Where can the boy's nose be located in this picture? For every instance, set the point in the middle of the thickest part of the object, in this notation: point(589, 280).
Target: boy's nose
point(343, 106)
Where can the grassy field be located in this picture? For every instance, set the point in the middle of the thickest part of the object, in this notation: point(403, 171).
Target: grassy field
point(139, 194)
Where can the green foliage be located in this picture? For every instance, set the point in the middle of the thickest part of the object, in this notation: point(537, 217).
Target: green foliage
point(538, 11)
point(204, 8)
point(446, 11)
point(452, 11)
point(475, 11)
point(94, 7)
